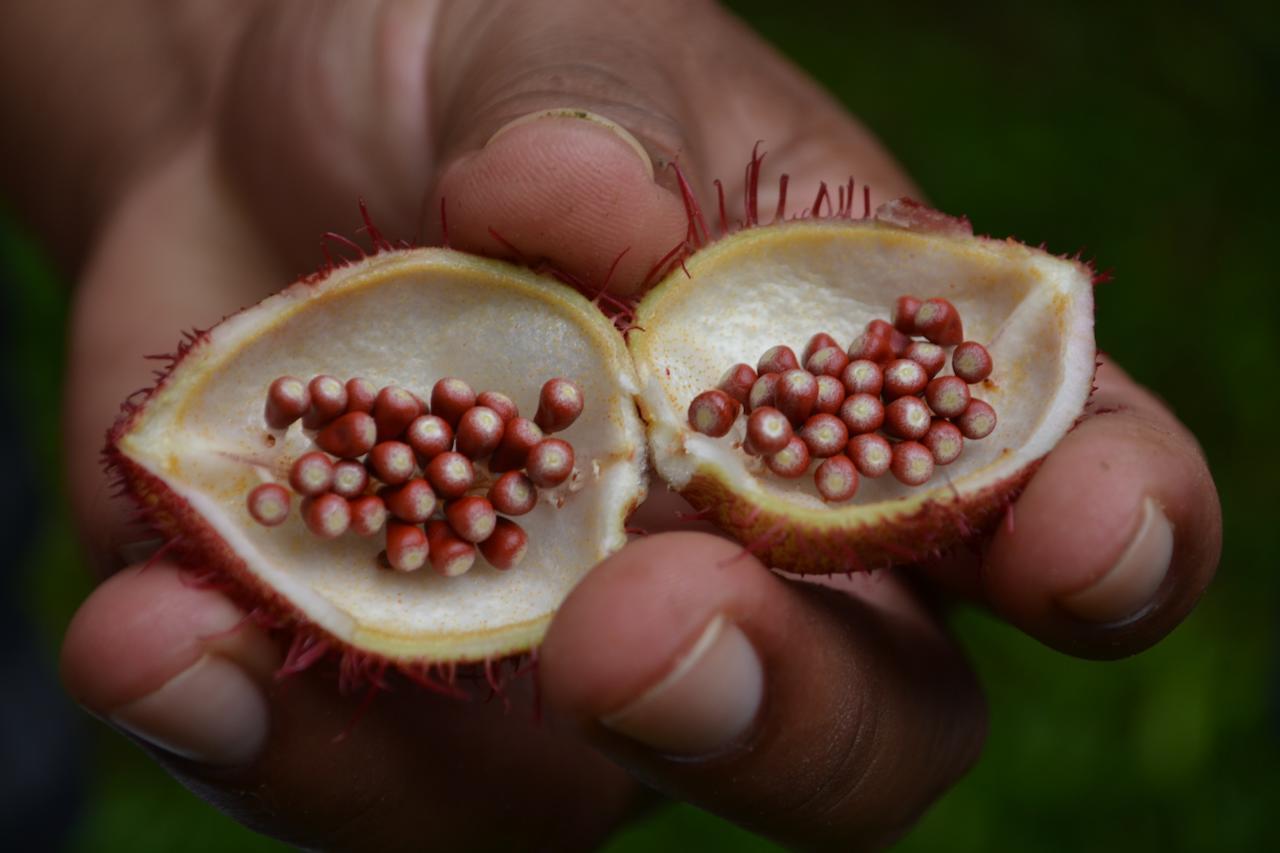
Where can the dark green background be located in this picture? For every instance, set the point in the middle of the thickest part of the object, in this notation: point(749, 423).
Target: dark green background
point(1139, 135)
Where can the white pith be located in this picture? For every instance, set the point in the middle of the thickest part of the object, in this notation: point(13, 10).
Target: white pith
point(406, 318)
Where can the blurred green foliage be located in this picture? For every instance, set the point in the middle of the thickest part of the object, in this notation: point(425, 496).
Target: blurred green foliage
point(1139, 133)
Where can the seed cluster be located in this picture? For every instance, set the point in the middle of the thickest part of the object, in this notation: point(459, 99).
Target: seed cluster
point(879, 405)
point(441, 479)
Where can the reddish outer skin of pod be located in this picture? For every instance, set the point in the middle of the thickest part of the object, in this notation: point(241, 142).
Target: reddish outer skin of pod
point(948, 396)
point(797, 391)
point(713, 413)
point(791, 461)
point(506, 546)
point(737, 382)
point(451, 474)
point(288, 399)
point(393, 410)
point(904, 314)
point(824, 435)
point(351, 435)
point(327, 516)
point(768, 430)
point(559, 404)
point(361, 395)
point(407, 546)
point(268, 503)
point(912, 463)
point(450, 399)
point(513, 494)
point(550, 462)
point(450, 556)
point(368, 515)
point(971, 362)
point(518, 438)
point(429, 436)
point(328, 401)
point(764, 393)
point(821, 340)
point(412, 502)
point(830, 395)
point(836, 479)
point(500, 403)
point(777, 359)
point(871, 454)
point(479, 432)
point(311, 474)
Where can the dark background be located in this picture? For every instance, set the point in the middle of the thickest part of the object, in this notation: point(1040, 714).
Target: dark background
point(1141, 135)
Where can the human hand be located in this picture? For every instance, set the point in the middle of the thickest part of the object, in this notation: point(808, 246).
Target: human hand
point(851, 709)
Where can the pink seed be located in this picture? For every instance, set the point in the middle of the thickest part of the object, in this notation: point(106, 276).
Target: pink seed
point(836, 479)
point(971, 362)
point(764, 393)
point(904, 314)
point(349, 478)
point(737, 382)
point(907, 417)
point(830, 395)
point(819, 341)
point(450, 399)
point(872, 345)
point(451, 474)
point(871, 454)
point(269, 504)
point(288, 399)
point(327, 516)
point(450, 556)
point(479, 432)
point(368, 515)
point(311, 474)
point(713, 413)
point(948, 396)
point(500, 403)
point(513, 494)
point(393, 410)
point(978, 420)
point(429, 436)
point(507, 545)
point(361, 395)
point(518, 438)
point(862, 376)
point(407, 546)
point(939, 321)
point(472, 518)
point(413, 502)
point(351, 435)
point(328, 401)
point(929, 356)
point(898, 342)
point(824, 435)
point(862, 413)
point(944, 441)
point(791, 461)
point(828, 361)
point(903, 377)
point(559, 404)
point(768, 430)
point(392, 462)
point(777, 359)
point(550, 462)
point(797, 392)
point(912, 463)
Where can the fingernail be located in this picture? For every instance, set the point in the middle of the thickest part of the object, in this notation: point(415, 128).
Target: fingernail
point(1131, 583)
point(583, 115)
point(708, 700)
point(211, 712)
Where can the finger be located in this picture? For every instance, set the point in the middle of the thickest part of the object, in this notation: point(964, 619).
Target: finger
point(181, 670)
point(807, 714)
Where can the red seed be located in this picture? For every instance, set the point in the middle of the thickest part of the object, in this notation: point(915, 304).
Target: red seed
point(768, 430)
point(764, 393)
point(903, 377)
point(559, 404)
point(451, 474)
point(368, 515)
point(862, 376)
point(898, 342)
point(872, 345)
point(269, 504)
point(429, 436)
point(550, 462)
point(513, 494)
point(777, 359)
point(797, 392)
point(450, 556)
point(824, 435)
point(912, 463)
point(479, 432)
point(944, 441)
point(871, 454)
point(971, 362)
point(351, 435)
point(978, 420)
point(327, 516)
point(349, 478)
point(288, 399)
point(413, 502)
point(737, 382)
point(361, 395)
point(819, 341)
point(328, 401)
point(311, 474)
point(830, 395)
point(836, 479)
point(904, 314)
point(518, 438)
point(500, 403)
point(907, 417)
point(407, 546)
point(472, 518)
point(929, 356)
point(392, 462)
point(791, 461)
point(507, 546)
point(939, 321)
point(828, 361)
point(948, 396)
point(393, 410)
point(450, 399)
point(713, 413)
point(862, 413)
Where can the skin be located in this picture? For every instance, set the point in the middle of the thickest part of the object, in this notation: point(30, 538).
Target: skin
point(183, 156)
